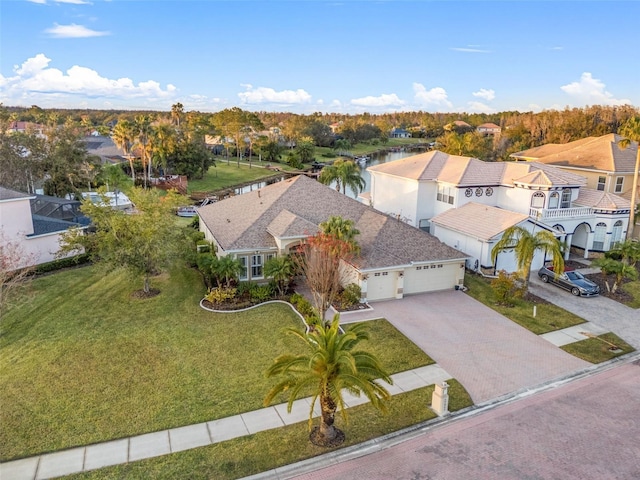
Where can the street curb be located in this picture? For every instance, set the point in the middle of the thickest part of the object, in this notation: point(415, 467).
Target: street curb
point(387, 441)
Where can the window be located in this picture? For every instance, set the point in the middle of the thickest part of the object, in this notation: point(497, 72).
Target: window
point(616, 234)
point(554, 200)
point(376, 274)
point(619, 183)
point(601, 183)
point(256, 266)
point(445, 194)
point(424, 225)
point(598, 236)
point(566, 198)
point(384, 274)
point(537, 200)
point(243, 273)
point(418, 268)
point(269, 256)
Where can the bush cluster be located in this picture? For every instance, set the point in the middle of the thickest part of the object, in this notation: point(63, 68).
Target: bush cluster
point(62, 263)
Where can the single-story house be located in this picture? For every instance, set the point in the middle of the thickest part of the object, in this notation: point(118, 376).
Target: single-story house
point(400, 133)
point(489, 129)
point(395, 258)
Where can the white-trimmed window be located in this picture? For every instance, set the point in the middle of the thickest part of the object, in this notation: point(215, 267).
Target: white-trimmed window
point(269, 256)
point(537, 200)
point(599, 235)
point(445, 194)
point(619, 184)
point(566, 198)
point(256, 266)
point(602, 181)
point(243, 273)
point(554, 200)
point(616, 233)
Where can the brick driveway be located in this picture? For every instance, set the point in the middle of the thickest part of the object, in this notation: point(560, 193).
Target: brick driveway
point(585, 430)
point(489, 354)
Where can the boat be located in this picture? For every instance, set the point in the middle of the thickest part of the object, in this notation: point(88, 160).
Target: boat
point(189, 211)
point(361, 160)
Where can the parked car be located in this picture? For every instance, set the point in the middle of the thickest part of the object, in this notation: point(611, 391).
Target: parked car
point(570, 280)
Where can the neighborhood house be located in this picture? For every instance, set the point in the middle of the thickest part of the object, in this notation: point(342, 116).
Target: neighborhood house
point(395, 259)
point(468, 204)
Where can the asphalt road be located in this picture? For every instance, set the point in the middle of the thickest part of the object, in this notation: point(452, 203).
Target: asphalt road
point(586, 429)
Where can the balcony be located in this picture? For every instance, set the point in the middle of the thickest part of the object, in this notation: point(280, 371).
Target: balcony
point(560, 213)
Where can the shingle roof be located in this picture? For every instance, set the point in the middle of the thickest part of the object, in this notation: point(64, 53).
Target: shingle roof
point(243, 223)
point(601, 200)
point(8, 194)
point(42, 225)
point(479, 221)
point(468, 172)
point(593, 153)
point(289, 225)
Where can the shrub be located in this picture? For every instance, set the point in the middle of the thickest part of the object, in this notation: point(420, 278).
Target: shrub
point(62, 263)
point(244, 288)
point(507, 287)
point(261, 293)
point(220, 295)
point(351, 295)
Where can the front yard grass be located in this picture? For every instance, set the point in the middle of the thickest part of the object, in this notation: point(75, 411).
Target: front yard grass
point(267, 450)
point(225, 175)
point(595, 350)
point(84, 362)
point(548, 316)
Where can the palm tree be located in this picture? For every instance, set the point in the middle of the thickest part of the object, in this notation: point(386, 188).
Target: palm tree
point(163, 140)
point(631, 131)
point(351, 177)
point(143, 131)
point(122, 136)
point(342, 229)
point(281, 269)
point(525, 244)
point(177, 110)
point(329, 174)
point(227, 268)
point(330, 367)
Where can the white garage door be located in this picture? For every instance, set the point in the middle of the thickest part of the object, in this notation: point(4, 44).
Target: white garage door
point(430, 278)
point(381, 285)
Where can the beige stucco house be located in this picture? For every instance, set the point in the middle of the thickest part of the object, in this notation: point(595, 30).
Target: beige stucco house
point(395, 260)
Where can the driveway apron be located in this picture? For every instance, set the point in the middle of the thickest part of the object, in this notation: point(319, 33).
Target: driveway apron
point(606, 313)
point(489, 354)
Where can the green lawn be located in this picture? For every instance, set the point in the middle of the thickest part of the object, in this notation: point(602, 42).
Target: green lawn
point(84, 362)
point(548, 316)
point(224, 176)
point(273, 448)
point(633, 289)
point(595, 350)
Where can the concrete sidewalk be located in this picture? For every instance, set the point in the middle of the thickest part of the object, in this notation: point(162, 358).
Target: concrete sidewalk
point(155, 444)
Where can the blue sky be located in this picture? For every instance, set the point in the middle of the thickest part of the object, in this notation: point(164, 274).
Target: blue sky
point(305, 56)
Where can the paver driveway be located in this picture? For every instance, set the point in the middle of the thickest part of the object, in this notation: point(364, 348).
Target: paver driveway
point(489, 354)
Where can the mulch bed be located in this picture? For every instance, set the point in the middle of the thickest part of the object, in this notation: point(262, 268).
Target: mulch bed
point(619, 296)
point(351, 308)
point(153, 292)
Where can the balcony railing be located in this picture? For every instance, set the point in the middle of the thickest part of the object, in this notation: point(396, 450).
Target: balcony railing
point(557, 213)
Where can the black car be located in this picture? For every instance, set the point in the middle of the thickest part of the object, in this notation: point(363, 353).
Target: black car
point(570, 280)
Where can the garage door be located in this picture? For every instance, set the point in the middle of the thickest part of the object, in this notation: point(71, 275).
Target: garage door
point(381, 286)
point(429, 278)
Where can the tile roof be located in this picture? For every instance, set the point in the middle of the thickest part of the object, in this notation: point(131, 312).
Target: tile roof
point(489, 125)
point(243, 223)
point(601, 200)
point(479, 221)
point(466, 171)
point(593, 153)
point(8, 194)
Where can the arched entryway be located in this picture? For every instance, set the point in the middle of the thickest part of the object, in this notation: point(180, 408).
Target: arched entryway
point(580, 238)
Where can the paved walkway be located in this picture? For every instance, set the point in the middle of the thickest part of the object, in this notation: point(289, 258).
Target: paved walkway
point(155, 444)
point(488, 353)
point(586, 429)
point(606, 313)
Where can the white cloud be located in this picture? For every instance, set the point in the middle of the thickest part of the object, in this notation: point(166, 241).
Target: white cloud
point(73, 31)
point(591, 91)
point(480, 107)
point(269, 95)
point(486, 94)
point(469, 50)
point(436, 97)
point(384, 100)
point(35, 82)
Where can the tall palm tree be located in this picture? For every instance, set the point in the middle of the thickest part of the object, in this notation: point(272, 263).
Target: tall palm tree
point(351, 177)
point(525, 244)
point(143, 131)
point(631, 131)
point(330, 367)
point(329, 174)
point(177, 110)
point(163, 140)
point(123, 135)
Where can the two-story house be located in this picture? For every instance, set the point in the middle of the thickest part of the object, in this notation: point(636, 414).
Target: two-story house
point(468, 203)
